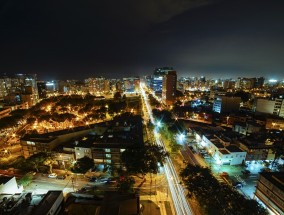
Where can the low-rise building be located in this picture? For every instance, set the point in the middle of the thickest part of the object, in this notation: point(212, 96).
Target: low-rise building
point(103, 142)
point(221, 149)
point(8, 185)
point(256, 149)
point(247, 128)
point(51, 203)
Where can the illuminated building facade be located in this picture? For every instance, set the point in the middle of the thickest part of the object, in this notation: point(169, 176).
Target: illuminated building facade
point(270, 190)
point(19, 88)
point(169, 87)
point(223, 104)
point(270, 106)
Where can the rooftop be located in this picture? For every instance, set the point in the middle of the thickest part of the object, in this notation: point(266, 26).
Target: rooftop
point(232, 148)
point(47, 202)
point(224, 151)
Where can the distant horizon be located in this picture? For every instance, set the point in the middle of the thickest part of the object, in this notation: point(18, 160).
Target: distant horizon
point(212, 77)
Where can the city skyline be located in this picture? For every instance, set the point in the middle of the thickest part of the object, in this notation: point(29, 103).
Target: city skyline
point(212, 38)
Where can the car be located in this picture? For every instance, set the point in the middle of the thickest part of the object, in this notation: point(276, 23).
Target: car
point(61, 177)
point(237, 184)
point(112, 180)
point(246, 172)
point(52, 175)
point(92, 179)
point(104, 180)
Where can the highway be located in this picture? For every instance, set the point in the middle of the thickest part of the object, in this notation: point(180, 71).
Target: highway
point(176, 189)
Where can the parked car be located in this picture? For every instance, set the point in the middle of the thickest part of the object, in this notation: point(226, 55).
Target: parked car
point(112, 180)
point(93, 179)
point(237, 184)
point(61, 177)
point(246, 172)
point(52, 175)
point(103, 179)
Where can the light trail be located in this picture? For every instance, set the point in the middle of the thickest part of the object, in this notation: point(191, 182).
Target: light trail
point(177, 192)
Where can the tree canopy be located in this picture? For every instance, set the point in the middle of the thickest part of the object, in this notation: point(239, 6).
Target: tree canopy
point(143, 160)
point(216, 198)
point(82, 165)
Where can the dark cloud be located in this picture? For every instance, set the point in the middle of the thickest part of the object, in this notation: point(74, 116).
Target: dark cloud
point(118, 38)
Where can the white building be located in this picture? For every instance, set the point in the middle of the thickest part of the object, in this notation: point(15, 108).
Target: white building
point(275, 107)
point(8, 185)
point(223, 152)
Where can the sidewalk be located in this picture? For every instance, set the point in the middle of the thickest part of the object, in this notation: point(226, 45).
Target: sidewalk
point(157, 204)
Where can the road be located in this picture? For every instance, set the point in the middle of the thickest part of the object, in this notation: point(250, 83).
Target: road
point(176, 189)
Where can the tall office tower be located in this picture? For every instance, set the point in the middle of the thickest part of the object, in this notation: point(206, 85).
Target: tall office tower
point(112, 85)
point(41, 86)
point(259, 82)
point(273, 106)
point(19, 88)
point(249, 83)
point(3, 89)
point(228, 84)
point(157, 78)
point(52, 86)
point(244, 83)
point(119, 86)
point(98, 85)
point(169, 87)
point(131, 85)
point(226, 104)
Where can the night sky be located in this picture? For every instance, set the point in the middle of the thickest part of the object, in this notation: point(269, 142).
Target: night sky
point(68, 39)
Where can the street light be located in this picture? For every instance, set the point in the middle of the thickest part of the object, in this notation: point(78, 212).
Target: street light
point(159, 124)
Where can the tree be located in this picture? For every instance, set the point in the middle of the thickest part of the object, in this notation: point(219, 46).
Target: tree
point(216, 198)
point(82, 165)
point(26, 179)
point(126, 184)
point(36, 160)
point(117, 95)
point(278, 150)
point(143, 160)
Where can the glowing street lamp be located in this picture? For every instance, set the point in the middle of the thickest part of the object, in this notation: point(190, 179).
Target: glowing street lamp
point(159, 124)
point(181, 137)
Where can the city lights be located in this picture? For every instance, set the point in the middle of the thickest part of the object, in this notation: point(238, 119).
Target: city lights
point(177, 191)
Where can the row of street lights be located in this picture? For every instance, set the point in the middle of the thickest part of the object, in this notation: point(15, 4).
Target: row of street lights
point(177, 192)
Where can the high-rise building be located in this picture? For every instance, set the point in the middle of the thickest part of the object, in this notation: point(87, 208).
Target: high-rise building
point(273, 106)
point(41, 86)
point(98, 85)
point(270, 190)
point(19, 88)
point(131, 84)
point(169, 87)
point(249, 83)
point(226, 104)
point(157, 79)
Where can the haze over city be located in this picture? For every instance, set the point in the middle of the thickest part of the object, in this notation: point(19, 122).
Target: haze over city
point(214, 38)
